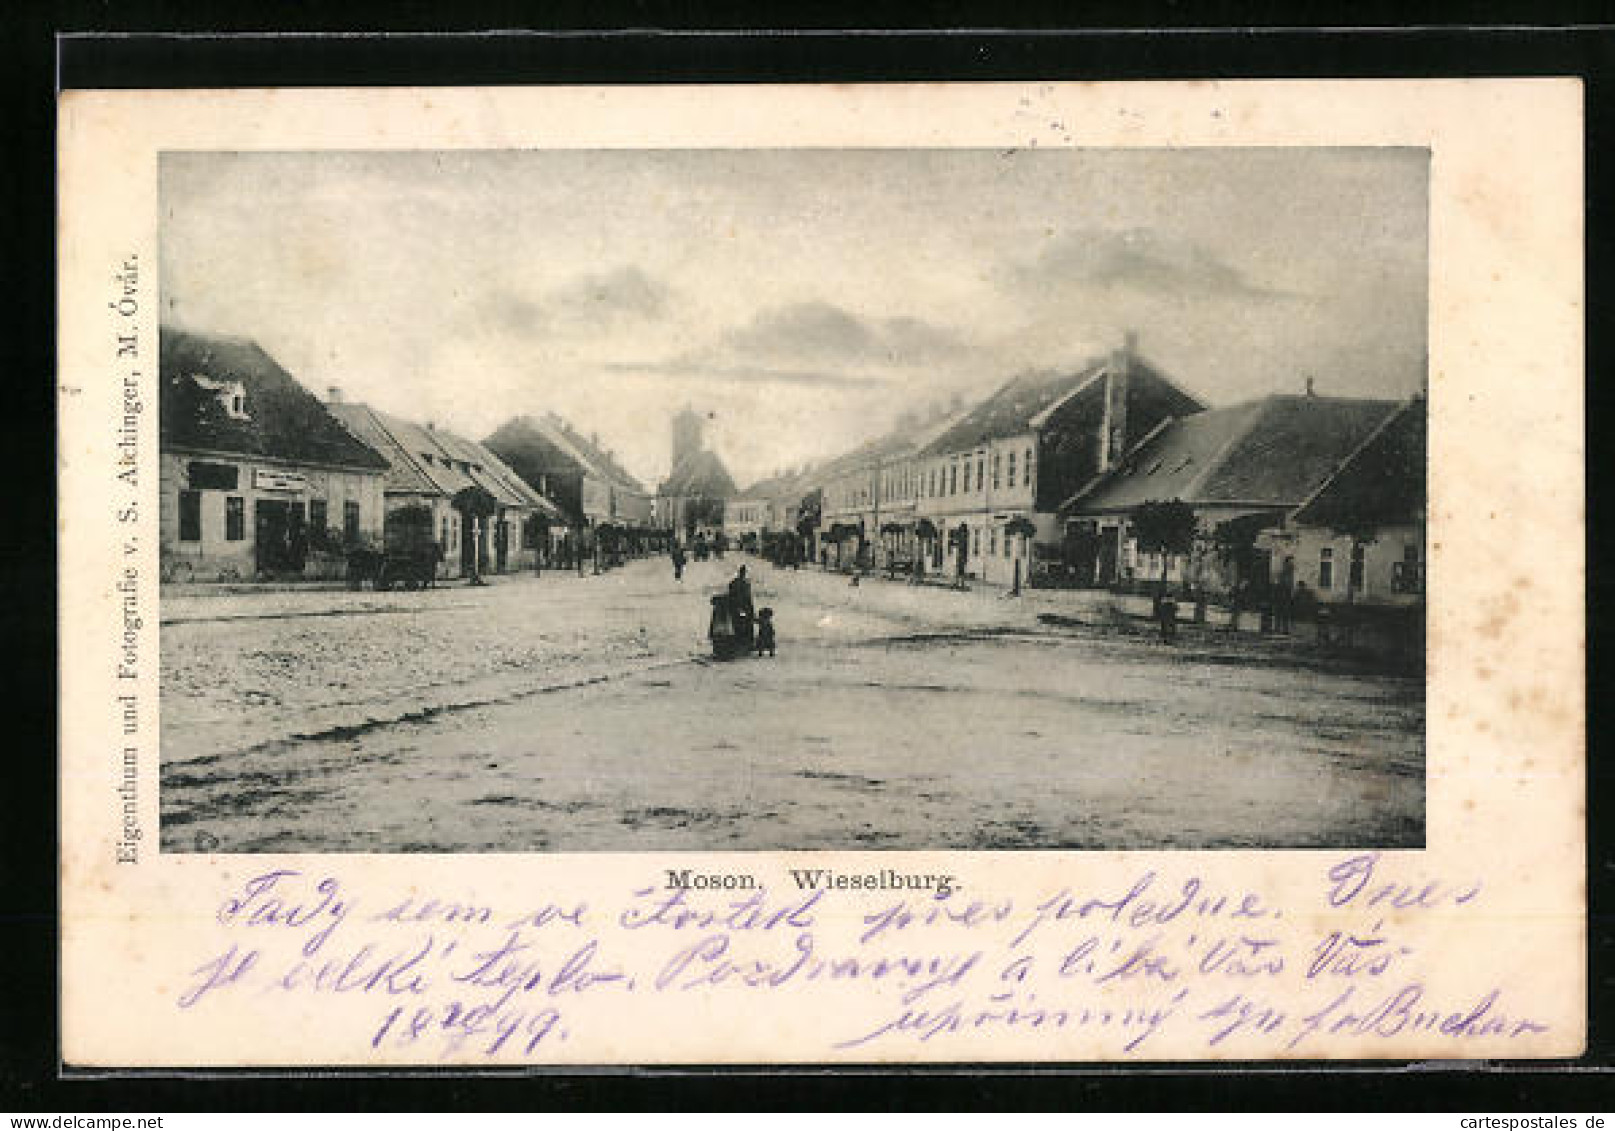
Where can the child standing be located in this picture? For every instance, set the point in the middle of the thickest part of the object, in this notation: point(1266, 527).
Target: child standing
point(765, 631)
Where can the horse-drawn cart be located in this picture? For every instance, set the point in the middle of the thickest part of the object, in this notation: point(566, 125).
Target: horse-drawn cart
point(408, 558)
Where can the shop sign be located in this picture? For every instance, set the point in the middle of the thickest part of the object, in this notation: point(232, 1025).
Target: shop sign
point(266, 480)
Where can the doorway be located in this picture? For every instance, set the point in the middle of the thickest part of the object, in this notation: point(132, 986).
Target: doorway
point(280, 536)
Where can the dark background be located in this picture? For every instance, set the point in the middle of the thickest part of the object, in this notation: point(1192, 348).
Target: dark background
point(50, 46)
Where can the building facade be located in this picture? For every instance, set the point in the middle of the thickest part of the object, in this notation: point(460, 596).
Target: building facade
point(992, 484)
point(257, 479)
point(482, 516)
point(1240, 470)
point(574, 472)
point(1360, 538)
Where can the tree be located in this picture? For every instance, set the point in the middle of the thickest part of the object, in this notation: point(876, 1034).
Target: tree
point(1164, 528)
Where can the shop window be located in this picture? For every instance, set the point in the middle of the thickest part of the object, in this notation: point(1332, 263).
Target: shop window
point(1326, 568)
point(235, 518)
point(350, 519)
point(317, 517)
point(1354, 576)
point(190, 516)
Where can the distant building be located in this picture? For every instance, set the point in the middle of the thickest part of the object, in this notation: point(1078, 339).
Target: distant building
point(1241, 469)
point(257, 479)
point(573, 471)
point(770, 506)
point(1360, 538)
point(692, 498)
point(475, 506)
point(1017, 456)
point(687, 427)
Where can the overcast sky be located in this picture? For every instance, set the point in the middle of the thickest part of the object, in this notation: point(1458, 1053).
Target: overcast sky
point(800, 298)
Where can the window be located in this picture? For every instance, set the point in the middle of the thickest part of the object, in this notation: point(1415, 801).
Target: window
point(1354, 577)
point(1007, 540)
point(1029, 467)
point(1326, 568)
point(992, 540)
point(953, 479)
point(190, 516)
point(1012, 469)
point(967, 477)
point(317, 517)
point(1405, 576)
point(975, 541)
point(350, 519)
point(981, 473)
point(443, 535)
point(235, 518)
point(997, 472)
point(213, 476)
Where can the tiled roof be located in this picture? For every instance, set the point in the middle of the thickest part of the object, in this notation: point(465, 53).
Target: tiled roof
point(1270, 452)
point(404, 473)
point(278, 418)
point(1012, 408)
point(519, 434)
point(699, 473)
point(435, 460)
point(1382, 483)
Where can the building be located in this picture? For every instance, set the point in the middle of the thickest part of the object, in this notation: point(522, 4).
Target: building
point(858, 499)
point(693, 497)
point(575, 472)
point(478, 510)
point(992, 484)
point(771, 506)
point(257, 479)
point(1360, 537)
point(1241, 469)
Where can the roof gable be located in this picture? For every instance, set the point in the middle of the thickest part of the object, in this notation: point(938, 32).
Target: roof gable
point(1383, 481)
point(1011, 409)
point(699, 473)
point(1269, 452)
point(278, 418)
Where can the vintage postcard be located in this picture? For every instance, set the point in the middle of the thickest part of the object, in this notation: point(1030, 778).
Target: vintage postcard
point(893, 573)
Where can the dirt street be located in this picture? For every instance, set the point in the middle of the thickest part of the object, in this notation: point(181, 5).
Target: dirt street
point(561, 713)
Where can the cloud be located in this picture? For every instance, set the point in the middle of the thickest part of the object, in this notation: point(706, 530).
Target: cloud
point(723, 372)
point(626, 293)
point(822, 333)
point(811, 344)
point(585, 304)
point(1138, 260)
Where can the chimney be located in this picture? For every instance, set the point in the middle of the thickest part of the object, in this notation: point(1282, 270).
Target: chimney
point(333, 394)
point(1113, 429)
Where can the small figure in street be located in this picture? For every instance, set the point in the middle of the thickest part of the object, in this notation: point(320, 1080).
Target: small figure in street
point(1166, 613)
point(678, 562)
point(742, 610)
point(765, 631)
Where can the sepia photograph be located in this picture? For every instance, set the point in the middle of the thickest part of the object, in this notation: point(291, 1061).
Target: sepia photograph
point(549, 500)
point(815, 574)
